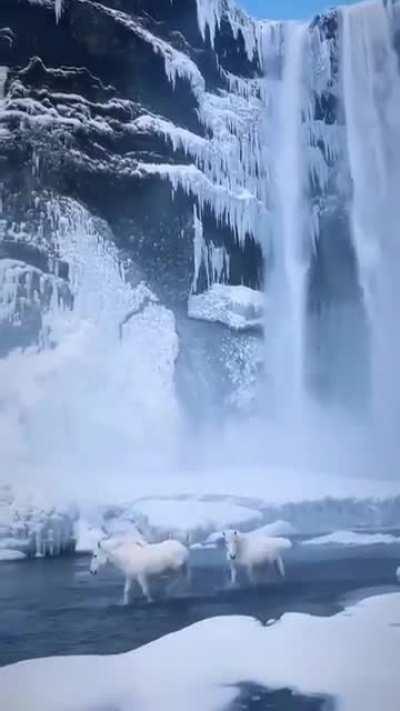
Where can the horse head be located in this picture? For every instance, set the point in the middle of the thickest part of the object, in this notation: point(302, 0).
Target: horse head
point(99, 559)
point(231, 541)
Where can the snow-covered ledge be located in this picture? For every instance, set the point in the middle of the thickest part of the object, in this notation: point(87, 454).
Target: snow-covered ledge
point(238, 307)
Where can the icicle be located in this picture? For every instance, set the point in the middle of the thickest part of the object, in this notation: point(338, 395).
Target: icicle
point(241, 211)
point(198, 247)
point(3, 79)
point(58, 8)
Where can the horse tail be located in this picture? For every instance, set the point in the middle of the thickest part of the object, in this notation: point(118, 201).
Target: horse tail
point(280, 566)
point(187, 572)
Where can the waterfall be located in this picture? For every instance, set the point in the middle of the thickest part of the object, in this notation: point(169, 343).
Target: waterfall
point(371, 87)
point(286, 283)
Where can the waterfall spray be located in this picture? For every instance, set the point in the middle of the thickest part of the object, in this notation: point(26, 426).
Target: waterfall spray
point(371, 84)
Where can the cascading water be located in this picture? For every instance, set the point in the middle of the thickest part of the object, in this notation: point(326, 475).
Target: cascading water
point(311, 206)
point(286, 282)
point(371, 84)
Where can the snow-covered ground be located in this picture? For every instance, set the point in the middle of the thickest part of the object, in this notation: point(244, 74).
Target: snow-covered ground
point(352, 657)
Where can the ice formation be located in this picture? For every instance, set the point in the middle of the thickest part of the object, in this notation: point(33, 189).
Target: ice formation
point(31, 526)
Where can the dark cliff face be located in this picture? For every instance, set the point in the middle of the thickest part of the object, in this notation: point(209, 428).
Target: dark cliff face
point(74, 89)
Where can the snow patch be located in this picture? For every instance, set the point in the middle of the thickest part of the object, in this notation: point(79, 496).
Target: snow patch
point(7, 554)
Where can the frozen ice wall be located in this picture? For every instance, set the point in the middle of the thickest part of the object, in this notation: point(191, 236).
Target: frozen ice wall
point(97, 394)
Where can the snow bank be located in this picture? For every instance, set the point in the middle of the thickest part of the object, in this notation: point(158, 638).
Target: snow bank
point(193, 519)
point(352, 657)
point(351, 538)
point(238, 307)
point(8, 554)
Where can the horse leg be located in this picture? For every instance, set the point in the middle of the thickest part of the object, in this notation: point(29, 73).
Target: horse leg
point(280, 566)
point(127, 589)
point(143, 582)
point(186, 570)
point(233, 570)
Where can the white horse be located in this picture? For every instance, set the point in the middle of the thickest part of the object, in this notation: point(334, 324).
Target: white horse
point(252, 551)
point(140, 561)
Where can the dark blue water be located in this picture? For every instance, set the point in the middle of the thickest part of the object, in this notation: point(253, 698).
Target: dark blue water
point(53, 607)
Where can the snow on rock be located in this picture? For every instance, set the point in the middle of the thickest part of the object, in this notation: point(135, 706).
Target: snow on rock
point(31, 526)
point(177, 64)
point(192, 520)
point(230, 163)
point(238, 307)
point(351, 657)
point(352, 538)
